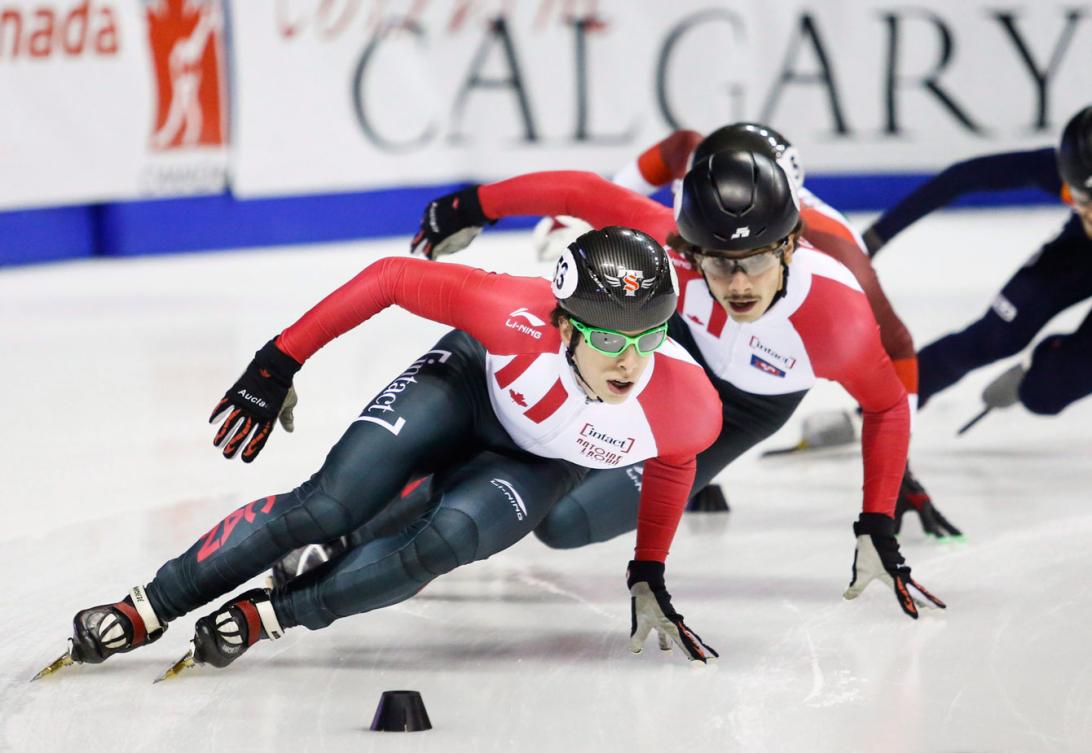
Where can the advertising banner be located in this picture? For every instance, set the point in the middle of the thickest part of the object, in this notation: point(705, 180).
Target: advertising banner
point(111, 99)
point(353, 94)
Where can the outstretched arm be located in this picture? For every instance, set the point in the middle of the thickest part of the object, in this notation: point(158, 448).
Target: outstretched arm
point(462, 297)
point(995, 172)
point(577, 194)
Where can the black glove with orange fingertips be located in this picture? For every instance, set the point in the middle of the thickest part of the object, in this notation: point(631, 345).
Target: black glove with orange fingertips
point(878, 558)
point(261, 396)
point(650, 609)
point(913, 498)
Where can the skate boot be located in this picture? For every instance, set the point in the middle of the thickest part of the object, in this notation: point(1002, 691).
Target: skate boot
point(223, 636)
point(102, 631)
point(709, 499)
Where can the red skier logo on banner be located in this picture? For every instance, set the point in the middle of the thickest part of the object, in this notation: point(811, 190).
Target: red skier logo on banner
point(187, 44)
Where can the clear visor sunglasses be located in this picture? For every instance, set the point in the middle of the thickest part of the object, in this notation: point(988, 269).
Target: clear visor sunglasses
point(759, 262)
point(610, 342)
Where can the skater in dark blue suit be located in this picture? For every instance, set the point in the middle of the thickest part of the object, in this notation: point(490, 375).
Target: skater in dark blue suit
point(1056, 277)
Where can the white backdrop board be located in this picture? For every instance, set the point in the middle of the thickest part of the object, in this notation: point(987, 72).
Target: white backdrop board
point(111, 99)
point(347, 94)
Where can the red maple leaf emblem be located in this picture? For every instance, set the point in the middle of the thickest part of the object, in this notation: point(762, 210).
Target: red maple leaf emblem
point(696, 320)
point(517, 398)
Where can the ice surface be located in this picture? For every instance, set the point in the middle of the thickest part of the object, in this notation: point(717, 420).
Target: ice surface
point(108, 370)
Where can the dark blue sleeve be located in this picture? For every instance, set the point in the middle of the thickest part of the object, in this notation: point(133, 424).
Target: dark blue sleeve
point(993, 172)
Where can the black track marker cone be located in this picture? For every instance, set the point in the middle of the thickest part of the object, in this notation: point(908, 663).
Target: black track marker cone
point(400, 711)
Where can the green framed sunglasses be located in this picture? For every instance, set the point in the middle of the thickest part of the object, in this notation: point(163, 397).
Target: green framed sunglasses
point(610, 342)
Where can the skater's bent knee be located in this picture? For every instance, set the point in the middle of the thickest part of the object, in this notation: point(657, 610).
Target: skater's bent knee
point(317, 518)
point(449, 540)
point(565, 527)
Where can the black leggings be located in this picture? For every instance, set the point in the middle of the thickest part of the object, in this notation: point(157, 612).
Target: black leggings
point(1055, 278)
point(435, 418)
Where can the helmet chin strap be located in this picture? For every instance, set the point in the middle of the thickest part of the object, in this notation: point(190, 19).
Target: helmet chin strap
point(570, 347)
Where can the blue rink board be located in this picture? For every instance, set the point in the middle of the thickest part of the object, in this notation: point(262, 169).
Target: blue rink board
point(164, 226)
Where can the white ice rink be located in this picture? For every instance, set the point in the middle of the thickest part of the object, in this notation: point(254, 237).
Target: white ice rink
point(108, 370)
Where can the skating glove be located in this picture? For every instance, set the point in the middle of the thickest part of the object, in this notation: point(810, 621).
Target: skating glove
point(1004, 391)
point(878, 558)
point(650, 609)
point(449, 224)
point(258, 398)
point(914, 498)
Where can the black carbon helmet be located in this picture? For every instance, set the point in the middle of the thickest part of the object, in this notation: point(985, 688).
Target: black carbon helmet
point(1075, 152)
point(735, 201)
point(753, 137)
point(616, 278)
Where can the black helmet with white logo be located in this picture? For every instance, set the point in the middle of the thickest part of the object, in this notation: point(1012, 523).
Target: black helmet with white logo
point(1075, 152)
point(735, 201)
point(616, 278)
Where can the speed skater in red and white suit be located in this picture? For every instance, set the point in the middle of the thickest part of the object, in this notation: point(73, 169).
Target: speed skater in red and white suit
point(538, 383)
point(824, 227)
point(764, 335)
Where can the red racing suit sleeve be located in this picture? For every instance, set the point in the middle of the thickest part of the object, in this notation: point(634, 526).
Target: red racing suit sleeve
point(576, 194)
point(843, 341)
point(685, 414)
point(835, 240)
point(466, 298)
point(665, 490)
point(660, 164)
point(826, 235)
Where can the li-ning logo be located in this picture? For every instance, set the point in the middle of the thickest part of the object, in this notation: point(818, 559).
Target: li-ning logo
point(742, 232)
point(534, 321)
point(514, 499)
point(623, 445)
point(186, 40)
point(787, 361)
point(630, 280)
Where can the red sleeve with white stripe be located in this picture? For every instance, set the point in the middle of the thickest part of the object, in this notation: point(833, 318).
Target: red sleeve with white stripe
point(466, 298)
point(843, 341)
point(684, 412)
point(660, 164)
point(576, 194)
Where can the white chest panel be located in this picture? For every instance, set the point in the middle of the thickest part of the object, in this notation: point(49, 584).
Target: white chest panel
point(547, 413)
point(768, 356)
